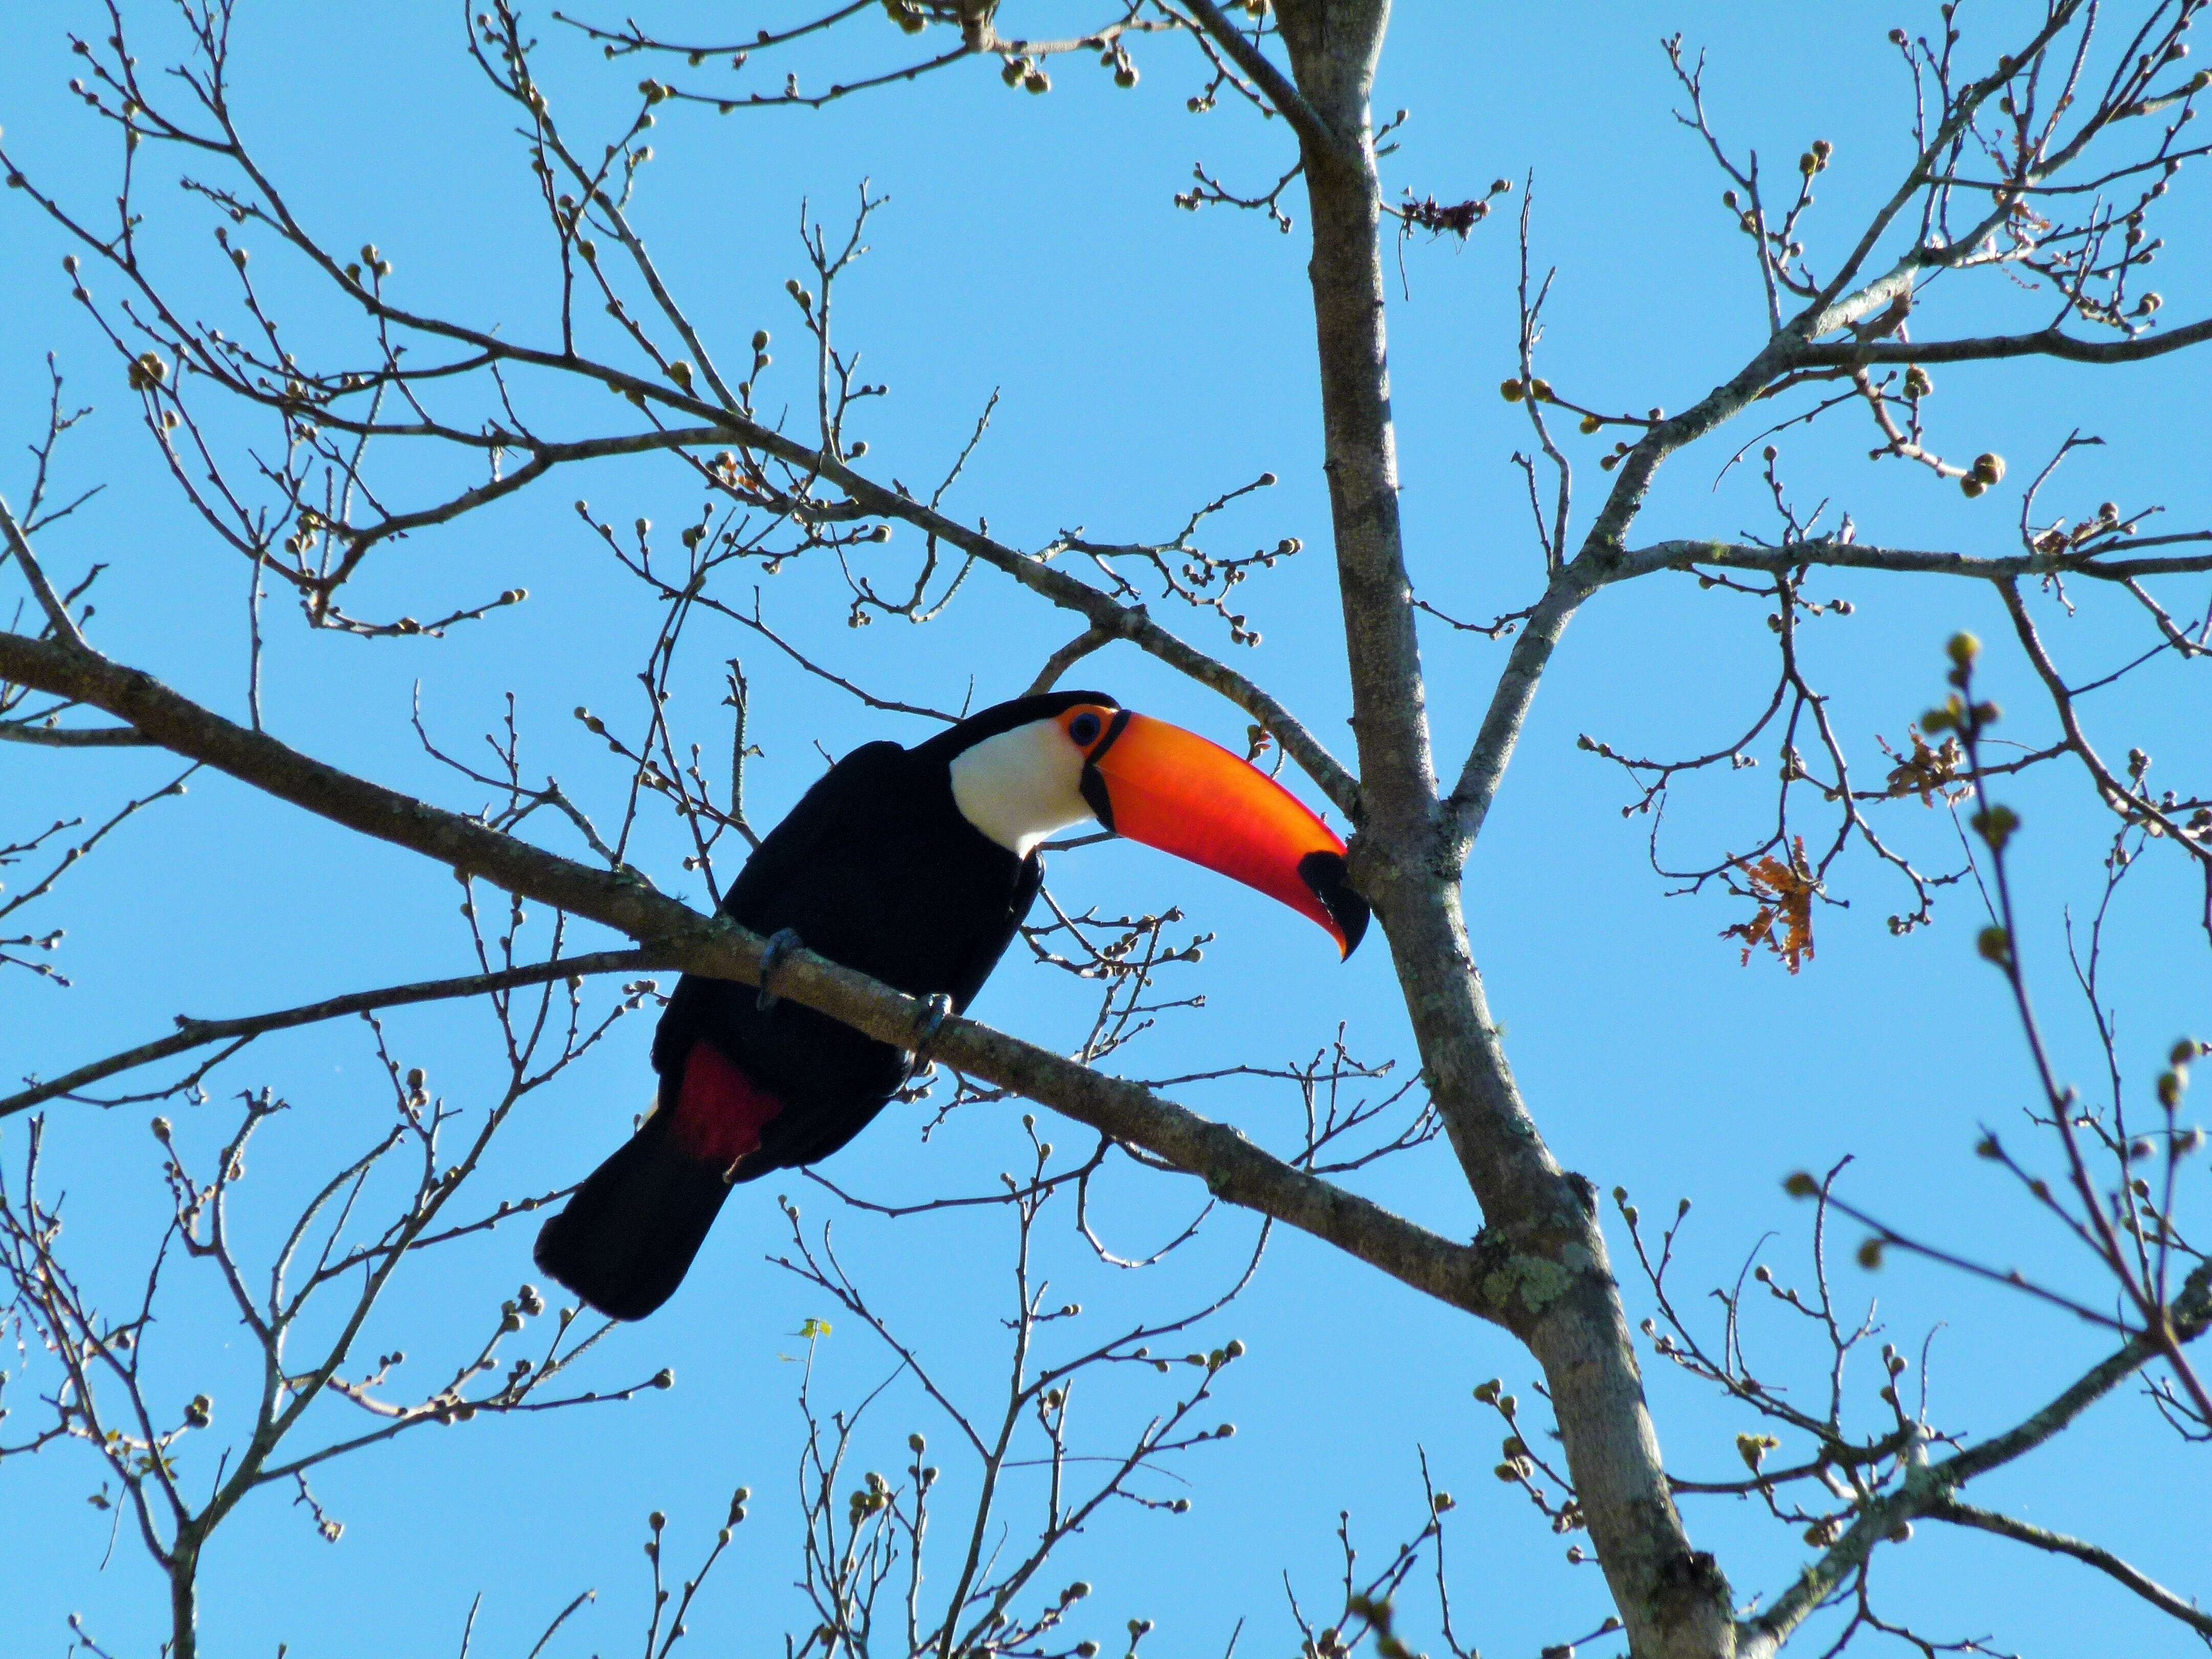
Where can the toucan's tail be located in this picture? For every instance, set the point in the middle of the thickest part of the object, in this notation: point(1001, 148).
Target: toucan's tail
point(627, 1238)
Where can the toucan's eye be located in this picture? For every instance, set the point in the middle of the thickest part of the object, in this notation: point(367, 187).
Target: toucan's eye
point(1084, 728)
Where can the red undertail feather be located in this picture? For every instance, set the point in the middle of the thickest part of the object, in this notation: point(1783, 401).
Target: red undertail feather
point(720, 1111)
point(626, 1239)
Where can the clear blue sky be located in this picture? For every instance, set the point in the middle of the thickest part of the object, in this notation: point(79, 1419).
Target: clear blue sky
point(1147, 359)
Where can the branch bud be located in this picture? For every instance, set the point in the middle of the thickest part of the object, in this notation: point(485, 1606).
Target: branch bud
point(1996, 826)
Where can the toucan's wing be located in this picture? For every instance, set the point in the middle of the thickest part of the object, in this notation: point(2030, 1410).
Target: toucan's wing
point(805, 1138)
point(842, 802)
point(846, 799)
point(990, 942)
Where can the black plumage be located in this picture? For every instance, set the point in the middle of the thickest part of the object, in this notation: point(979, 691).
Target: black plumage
point(875, 868)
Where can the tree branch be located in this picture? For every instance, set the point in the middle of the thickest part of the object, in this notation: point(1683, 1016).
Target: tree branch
point(1929, 1488)
point(1314, 133)
point(198, 1033)
point(1232, 1166)
point(1965, 1515)
point(1686, 555)
point(1547, 1251)
point(863, 495)
point(1125, 622)
point(2130, 803)
point(55, 737)
point(1065, 658)
point(49, 601)
point(2044, 343)
point(1510, 701)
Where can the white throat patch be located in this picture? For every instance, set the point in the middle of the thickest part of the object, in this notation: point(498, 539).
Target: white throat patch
point(1020, 786)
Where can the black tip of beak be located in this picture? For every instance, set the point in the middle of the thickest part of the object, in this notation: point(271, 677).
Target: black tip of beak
point(1326, 874)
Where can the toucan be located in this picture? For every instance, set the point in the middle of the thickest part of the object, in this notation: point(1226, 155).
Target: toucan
point(916, 866)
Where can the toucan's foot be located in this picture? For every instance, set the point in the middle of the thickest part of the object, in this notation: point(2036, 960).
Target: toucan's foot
point(781, 943)
point(936, 1010)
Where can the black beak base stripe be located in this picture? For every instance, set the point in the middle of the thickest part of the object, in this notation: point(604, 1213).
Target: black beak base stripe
point(1115, 728)
point(1095, 797)
point(1093, 784)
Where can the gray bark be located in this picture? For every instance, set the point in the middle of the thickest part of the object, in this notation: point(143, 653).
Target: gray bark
point(1544, 1254)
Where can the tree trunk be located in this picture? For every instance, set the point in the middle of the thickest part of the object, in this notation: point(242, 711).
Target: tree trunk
point(1545, 1251)
point(183, 1564)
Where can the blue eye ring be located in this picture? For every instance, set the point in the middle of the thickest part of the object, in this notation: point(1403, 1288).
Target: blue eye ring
point(1084, 728)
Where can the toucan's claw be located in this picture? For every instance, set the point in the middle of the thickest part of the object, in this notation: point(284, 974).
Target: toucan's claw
point(781, 943)
point(935, 1012)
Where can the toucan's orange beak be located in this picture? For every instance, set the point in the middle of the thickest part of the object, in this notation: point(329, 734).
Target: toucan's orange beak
point(1172, 789)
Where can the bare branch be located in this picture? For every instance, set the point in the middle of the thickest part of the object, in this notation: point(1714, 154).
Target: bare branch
point(2044, 343)
point(2057, 1543)
point(198, 1033)
point(2094, 561)
point(1230, 1165)
point(1314, 132)
point(58, 616)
